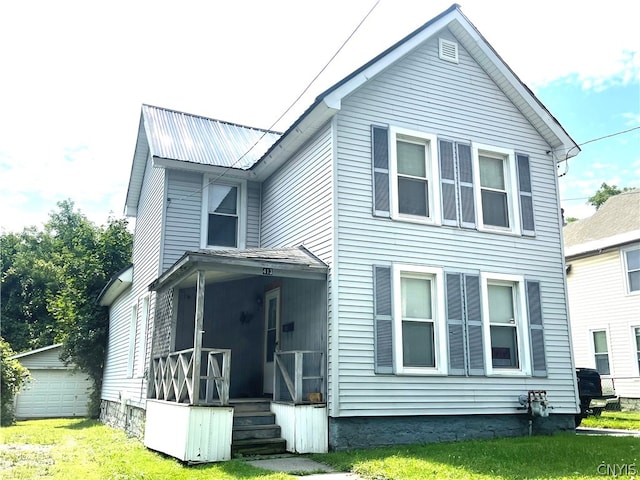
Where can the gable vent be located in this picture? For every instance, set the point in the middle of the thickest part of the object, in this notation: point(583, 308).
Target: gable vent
point(448, 51)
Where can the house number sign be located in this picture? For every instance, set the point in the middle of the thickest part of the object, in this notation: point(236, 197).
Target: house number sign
point(267, 271)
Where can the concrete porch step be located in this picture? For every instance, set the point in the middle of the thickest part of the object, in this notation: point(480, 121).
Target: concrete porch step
point(256, 431)
point(258, 446)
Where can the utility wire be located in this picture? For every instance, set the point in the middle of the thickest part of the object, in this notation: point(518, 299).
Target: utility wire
point(270, 129)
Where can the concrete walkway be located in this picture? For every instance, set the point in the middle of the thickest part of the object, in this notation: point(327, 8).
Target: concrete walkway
point(302, 467)
point(607, 431)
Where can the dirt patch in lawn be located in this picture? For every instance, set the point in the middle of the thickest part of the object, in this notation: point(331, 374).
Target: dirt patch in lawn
point(34, 457)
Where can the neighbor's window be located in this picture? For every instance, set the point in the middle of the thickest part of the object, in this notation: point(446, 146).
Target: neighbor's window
point(414, 172)
point(637, 332)
point(419, 342)
point(494, 192)
point(601, 352)
point(632, 268)
point(223, 215)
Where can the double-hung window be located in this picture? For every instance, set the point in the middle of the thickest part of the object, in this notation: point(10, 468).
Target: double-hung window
point(636, 331)
point(495, 178)
point(601, 351)
point(223, 224)
point(631, 258)
point(419, 331)
point(414, 173)
point(505, 324)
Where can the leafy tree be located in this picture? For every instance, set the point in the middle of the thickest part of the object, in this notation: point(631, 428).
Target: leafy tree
point(604, 192)
point(29, 278)
point(13, 376)
point(51, 281)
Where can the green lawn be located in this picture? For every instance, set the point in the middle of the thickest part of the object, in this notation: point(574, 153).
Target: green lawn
point(85, 449)
point(618, 420)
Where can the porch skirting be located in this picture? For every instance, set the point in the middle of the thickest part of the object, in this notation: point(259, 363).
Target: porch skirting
point(191, 434)
point(347, 433)
point(123, 416)
point(303, 427)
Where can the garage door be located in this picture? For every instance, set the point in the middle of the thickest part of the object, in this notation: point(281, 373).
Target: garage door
point(53, 393)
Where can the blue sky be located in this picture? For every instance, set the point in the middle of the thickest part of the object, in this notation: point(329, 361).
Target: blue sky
point(75, 73)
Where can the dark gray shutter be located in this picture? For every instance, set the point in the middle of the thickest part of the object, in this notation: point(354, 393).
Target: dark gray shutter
point(383, 319)
point(536, 329)
point(526, 197)
point(465, 179)
point(448, 183)
point(473, 313)
point(455, 323)
point(380, 154)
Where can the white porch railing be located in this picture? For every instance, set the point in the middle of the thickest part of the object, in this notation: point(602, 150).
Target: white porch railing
point(174, 379)
point(301, 373)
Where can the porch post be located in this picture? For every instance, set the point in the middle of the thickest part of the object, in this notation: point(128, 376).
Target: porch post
point(197, 338)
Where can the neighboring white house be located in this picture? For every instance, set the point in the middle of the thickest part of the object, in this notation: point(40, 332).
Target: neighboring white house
point(389, 270)
point(55, 389)
point(603, 280)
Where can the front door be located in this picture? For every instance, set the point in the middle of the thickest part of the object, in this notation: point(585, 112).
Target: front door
point(271, 336)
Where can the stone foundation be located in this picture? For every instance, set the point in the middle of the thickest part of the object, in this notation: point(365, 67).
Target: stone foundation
point(630, 404)
point(125, 417)
point(367, 432)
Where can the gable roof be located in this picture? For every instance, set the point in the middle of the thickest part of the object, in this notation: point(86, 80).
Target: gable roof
point(36, 351)
point(615, 223)
point(328, 102)
point(201, 141)
point(175, 136)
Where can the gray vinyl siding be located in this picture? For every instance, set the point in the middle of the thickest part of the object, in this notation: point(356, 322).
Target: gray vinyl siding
point(146, 268)
point(297, 200)
point(184, 215)
point(458, 102)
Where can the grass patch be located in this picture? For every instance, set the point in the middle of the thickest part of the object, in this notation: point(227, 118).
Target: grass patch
point(85, 449)
point(617, 420)
point(558, 457)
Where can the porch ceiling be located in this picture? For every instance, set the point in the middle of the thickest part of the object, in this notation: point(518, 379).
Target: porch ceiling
point(224, 265)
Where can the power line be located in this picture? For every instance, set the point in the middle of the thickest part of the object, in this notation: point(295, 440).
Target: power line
point(609, 136)
point(289, 107)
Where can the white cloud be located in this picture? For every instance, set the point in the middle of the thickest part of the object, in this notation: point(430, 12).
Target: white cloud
point(77, 72)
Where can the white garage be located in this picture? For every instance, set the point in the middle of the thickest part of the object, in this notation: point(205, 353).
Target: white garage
point(55, 390)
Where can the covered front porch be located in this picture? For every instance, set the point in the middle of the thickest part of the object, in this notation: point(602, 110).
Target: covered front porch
point(232, 329)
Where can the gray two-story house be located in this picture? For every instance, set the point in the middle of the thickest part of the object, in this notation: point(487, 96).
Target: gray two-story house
point(388, 270)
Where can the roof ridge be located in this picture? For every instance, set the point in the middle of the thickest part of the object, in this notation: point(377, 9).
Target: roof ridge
point(211, 119)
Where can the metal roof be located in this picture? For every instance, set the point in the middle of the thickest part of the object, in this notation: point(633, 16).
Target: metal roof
point(191, 138)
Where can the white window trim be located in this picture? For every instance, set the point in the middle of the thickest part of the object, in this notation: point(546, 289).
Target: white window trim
point(592, 348)
point(435, 216)
point(143, 318)
point(242, 212)
point(524, 350)
point(625, 271)
point(634, 348)
point(440, 333)
point(511, 183)
point(133, 325)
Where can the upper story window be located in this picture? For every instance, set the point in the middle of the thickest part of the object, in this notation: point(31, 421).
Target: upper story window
point(632, 268)
point(413, 170)
point(224, 216)
point(495, 194)
point(419, 178)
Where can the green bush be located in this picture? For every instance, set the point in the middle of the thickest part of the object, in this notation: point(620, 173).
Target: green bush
point(14, 375)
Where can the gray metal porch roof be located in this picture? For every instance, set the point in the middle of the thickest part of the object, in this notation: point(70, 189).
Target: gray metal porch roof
point(224, 265)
